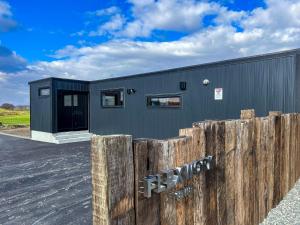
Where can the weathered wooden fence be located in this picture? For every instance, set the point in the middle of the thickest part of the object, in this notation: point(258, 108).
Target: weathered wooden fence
point(257, 161)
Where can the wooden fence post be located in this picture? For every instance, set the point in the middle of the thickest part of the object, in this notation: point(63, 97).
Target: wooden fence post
point(247, 114)
point(257, 161)
point(245, 167)
point(285, 157)
point(112, 180)
point(199, 197)
point(230, 171)
point(275, 130)
point(147, 154)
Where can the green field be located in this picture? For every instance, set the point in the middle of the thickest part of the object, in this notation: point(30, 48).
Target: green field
point(14, 117)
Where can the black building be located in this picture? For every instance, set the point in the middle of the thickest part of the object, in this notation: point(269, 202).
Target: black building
point(157, 104)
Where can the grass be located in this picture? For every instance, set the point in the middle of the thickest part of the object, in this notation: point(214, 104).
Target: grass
point(10, 118)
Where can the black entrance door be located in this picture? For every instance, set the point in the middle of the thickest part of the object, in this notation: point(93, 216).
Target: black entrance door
point(72, 111)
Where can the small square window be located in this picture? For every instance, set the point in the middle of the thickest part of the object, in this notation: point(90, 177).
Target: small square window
point(68, 100)
point(44, 91)
point(112, 98)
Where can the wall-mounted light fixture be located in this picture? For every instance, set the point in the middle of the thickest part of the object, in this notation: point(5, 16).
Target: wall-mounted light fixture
point(206, 82)
point(131, 91)
point(182, 85)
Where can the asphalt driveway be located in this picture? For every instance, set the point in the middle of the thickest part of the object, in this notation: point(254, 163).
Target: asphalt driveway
point(43, 183)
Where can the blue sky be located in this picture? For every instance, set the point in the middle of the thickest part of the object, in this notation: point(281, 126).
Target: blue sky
point(98, 39)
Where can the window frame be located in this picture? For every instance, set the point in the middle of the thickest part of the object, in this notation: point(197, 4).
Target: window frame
point(102, 92)
point(44, 96)
point(172, 95)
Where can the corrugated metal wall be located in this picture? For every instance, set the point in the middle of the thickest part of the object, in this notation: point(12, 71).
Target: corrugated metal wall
point(297, 83)
point(41, 107)
point(67, 85)
point(265, 84)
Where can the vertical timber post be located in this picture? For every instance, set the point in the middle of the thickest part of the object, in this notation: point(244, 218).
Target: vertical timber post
point(113, 180)
point(245, 177)
point(275, 130)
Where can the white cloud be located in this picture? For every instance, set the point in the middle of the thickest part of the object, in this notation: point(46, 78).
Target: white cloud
point(262, 30)
point(172, 15)
point(6, 21)
point(124, 56)
point(106, 12)
point(279, 15)
point(168, 15)
point(115, 24)
point(2, 77)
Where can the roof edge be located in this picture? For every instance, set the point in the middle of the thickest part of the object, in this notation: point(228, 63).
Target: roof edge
point(222, 62)
point(57, 78)
point(216, 63)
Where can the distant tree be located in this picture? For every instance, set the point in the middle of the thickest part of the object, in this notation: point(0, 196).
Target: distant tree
point(7, 106)
point(22, 107)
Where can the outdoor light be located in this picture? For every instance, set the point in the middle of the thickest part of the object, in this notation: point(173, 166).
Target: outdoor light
point(182, 85)
point(205, 82)
point(131, 91)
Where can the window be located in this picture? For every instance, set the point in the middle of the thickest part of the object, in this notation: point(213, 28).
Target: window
point(112, 98)
point(44, 91)
point(67, 100)
point(75, 100)
point(169, 101)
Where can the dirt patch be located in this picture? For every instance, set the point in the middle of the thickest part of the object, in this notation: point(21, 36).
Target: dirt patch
point(23, 131)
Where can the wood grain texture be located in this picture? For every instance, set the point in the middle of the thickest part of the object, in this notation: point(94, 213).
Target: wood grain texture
point(230, 171)
point(181, 147)
point(285, 146)
point(297, 147)
point(220, 173)
point(146, 163)
point(245, 180)
point(211, 183)
point(112, 180)
point(199, 197)
point(262, 166)
point(247, 114)
point(292, 163)
point(168, 211)
point(276, 130)
point(257, 161)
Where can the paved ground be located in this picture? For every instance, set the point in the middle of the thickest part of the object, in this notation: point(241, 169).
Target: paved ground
point(288, 210)
point(43, 183)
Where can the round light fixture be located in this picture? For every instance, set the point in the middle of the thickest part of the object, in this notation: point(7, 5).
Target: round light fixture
point(205, 82)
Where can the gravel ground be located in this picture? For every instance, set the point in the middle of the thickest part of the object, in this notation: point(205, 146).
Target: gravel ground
point(288, 210)
point(44, 184)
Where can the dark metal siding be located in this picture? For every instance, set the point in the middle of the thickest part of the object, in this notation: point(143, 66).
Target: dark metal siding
point(67, 85)
point(265, 84)
point(41, 107)
point(297, 84)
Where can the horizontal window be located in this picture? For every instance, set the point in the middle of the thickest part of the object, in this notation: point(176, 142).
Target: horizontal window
point(44, 91)
point(172, 101)
point(112, 98)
